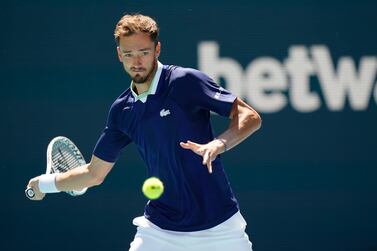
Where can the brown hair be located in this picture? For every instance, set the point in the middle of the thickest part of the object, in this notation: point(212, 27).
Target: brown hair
point(131, 24)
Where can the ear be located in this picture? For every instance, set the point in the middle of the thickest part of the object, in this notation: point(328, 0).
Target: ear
point(158, 49)
point(119, 54)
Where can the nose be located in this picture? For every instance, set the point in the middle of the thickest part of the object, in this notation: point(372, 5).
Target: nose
point(136, 60)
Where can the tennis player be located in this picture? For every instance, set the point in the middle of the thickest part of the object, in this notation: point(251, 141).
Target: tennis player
point(166, 113)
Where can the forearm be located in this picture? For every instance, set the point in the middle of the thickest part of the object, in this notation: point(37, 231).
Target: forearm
point(244, 122)
point(76, 179)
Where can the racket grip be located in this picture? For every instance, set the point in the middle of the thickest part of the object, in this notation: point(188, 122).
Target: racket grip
point(29, 192)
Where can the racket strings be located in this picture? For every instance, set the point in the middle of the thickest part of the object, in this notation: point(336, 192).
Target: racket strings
point(64, 158)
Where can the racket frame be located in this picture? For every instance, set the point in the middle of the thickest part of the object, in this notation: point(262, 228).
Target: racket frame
point(49, 169)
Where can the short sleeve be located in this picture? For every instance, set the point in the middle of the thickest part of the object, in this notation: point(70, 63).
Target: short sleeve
point(196, 89)
point(112, 140)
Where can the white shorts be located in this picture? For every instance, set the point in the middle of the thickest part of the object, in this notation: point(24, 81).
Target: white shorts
point(229, 235)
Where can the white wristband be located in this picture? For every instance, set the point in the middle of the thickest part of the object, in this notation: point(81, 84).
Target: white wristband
point(47, 183)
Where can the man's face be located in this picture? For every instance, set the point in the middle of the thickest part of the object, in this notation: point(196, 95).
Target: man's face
point(139, 56)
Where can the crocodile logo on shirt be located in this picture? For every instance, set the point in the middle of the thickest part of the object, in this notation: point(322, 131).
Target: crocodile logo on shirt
point(164, 113)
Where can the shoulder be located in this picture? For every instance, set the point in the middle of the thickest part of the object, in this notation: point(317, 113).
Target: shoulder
point(187, 85)
point(182, 74)
point(119, 103)
point(182, 80)
point(121, 99)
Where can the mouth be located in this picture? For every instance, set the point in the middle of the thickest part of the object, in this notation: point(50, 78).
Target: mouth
point(134, 69)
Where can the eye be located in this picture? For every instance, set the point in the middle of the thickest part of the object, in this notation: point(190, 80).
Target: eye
point(145, 53)
point(127, 55)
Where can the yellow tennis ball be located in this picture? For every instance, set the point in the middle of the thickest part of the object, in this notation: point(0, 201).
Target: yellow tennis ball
point(153, 188)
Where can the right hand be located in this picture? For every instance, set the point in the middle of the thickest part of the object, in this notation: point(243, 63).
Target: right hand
point(33, 183)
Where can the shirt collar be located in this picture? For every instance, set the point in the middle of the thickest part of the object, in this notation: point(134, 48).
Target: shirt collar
point(152, 88)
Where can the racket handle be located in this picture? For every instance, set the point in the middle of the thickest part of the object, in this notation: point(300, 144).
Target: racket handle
point(29, 192)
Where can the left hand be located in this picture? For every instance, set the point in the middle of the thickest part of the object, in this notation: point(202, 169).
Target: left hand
point(208, 151)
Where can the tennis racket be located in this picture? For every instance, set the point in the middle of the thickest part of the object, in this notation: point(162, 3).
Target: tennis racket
point(62, 156)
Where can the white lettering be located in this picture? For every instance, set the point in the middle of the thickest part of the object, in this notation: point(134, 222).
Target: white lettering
point(300, 68)
point(270, 85)
point(336, 85)
point(266, 80)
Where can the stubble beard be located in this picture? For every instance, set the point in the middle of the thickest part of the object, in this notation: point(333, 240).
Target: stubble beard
point(137, 79)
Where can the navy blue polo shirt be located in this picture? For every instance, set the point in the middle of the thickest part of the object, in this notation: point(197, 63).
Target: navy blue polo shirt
point(177, 109)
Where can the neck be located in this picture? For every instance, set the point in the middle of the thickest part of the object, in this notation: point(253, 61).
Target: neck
point(140, 88)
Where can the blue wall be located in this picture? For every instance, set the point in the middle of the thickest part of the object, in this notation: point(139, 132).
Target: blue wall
point(305, 181)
